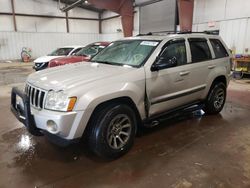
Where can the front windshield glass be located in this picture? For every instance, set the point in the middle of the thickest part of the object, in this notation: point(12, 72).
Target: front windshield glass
point(127, 52)
point(61, 52)
point(90, 50)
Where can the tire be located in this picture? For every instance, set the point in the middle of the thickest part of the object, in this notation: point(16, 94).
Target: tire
point(216, 99)
point(105, 134)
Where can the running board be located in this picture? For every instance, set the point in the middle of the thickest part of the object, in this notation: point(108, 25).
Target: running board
point(157, 119)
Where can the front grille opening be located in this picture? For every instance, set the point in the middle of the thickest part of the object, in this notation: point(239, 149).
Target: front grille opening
point(41, 100)
point(36, 96)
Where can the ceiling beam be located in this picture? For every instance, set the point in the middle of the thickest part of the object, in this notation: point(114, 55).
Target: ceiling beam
point(146, 3)
point(71, 6)
point(82, 5)
point(13, 14)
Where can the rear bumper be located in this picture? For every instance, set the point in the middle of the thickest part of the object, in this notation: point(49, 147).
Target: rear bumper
point(30, 119)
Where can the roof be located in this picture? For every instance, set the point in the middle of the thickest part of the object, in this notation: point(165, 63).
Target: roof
point(102, 43)
point(73, 46)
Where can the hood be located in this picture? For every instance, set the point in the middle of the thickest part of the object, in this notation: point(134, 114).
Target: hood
point(66, 60)
point(44, 59)
point(73, 75)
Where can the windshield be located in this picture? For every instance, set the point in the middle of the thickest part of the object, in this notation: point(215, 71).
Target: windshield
point(127, 52)
point(90, 50)
point(61, 52)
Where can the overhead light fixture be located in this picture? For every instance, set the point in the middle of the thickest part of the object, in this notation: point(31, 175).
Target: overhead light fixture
point(86, 2)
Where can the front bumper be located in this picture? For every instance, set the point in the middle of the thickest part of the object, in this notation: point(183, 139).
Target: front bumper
point(36, 121)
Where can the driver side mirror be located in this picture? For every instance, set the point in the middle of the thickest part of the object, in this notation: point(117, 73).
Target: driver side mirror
point(163, 63)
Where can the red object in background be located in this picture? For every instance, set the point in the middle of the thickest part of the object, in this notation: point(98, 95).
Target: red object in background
point(85, 54)
point(123, 7)
point(186, 11)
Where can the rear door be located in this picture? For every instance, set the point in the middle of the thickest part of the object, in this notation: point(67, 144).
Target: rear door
point(200, 66)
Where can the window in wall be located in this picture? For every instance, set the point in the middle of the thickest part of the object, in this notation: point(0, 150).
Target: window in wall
point(199, 49)
point(218, 48)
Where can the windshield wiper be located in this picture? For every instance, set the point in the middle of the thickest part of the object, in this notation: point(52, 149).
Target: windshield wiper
point(108, 62)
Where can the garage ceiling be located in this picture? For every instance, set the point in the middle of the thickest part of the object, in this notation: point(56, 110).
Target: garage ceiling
point(82, 5)
point(93, 8)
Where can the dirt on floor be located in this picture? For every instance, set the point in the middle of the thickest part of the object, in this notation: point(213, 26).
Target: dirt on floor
point(190, 151)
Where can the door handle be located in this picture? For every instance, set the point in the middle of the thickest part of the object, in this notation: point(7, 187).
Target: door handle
point(211, 66)
point(184, 73)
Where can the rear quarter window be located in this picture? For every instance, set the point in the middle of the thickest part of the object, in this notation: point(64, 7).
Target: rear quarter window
point(199, 50)
point(219, 50)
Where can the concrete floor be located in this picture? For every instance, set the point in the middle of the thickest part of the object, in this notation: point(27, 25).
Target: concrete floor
point(190, 151)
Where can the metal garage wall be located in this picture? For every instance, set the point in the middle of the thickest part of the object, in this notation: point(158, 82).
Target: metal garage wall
point(231, 18)
point(40, 24)
point(11, 43)
point(159, 16)
point(43, 34)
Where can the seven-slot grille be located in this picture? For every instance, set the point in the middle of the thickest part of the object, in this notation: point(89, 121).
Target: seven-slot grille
point(36, 96)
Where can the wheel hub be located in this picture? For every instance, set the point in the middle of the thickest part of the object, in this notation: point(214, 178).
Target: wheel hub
point(119, 131)
point(219, 98)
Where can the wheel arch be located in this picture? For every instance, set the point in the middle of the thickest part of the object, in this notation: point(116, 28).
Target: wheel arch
point(119, 100)
point(218, 79)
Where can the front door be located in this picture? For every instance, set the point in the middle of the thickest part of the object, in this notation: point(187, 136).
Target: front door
point(168, 87)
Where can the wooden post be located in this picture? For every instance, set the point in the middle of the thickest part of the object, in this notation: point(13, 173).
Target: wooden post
point(13, 14)
point(100, 22)
point(67, 21)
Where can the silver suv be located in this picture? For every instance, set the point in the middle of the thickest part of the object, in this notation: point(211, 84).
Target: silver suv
point(132, 82)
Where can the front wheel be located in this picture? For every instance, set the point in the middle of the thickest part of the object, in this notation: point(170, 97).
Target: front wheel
point(112, 130)
point(216, 99)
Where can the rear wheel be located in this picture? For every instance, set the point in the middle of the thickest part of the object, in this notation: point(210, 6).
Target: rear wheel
point(216, 99)
point(112, 130)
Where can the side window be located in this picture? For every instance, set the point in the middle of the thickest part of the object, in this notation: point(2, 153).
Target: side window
point(218, 48)
point(76, 50)
point(199, 49)
point(177, 50)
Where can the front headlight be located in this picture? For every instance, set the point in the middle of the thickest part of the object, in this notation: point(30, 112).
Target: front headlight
point(59, 101)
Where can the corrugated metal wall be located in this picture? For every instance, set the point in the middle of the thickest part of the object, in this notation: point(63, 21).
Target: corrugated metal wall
point(40, 34)
point(230, 17)
point(158, 16)
point(11, 43)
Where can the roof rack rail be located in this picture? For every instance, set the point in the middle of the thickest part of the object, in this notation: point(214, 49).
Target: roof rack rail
point(215, 32)
point(147, 34)
point(157, 33)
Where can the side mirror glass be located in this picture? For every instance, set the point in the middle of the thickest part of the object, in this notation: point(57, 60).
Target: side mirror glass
point(163, 63)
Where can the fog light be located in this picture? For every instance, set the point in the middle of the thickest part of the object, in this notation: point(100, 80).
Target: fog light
point(52, 126)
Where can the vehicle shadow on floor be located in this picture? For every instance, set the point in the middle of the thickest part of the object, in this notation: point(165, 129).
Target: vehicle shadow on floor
point(179, 128)
point(23, 151)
